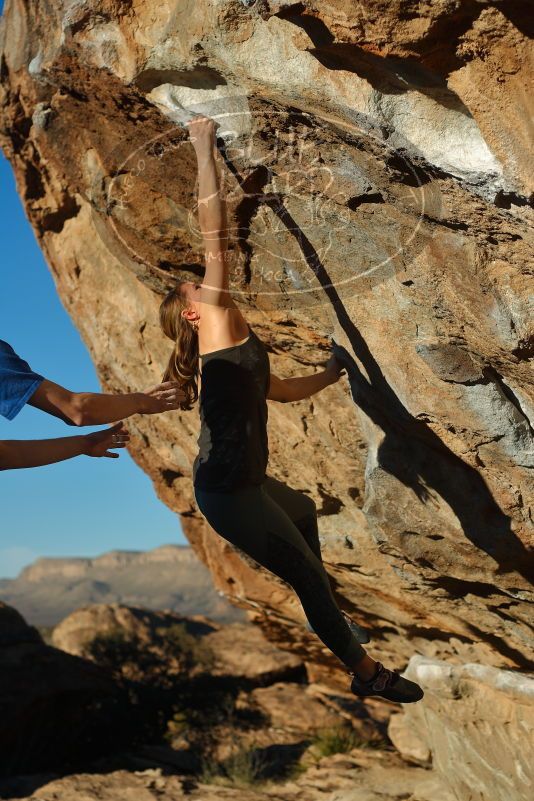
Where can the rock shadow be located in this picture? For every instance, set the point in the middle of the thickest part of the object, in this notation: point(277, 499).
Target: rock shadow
point(437, 51)
point(411, 451)
point(390, 75)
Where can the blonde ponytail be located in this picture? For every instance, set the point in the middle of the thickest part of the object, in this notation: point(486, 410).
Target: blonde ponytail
point(183, 364)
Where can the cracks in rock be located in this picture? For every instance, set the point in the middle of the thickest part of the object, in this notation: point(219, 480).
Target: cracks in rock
point(20, 126)
point(83, 21)
point(511, 618)
point(170, 476)
point(415, 175)
point(75, 93)
point(434, 633)
point(459, 588)
point(496, 378)
point(44, 219)
point(355, 494)
point(194, 268)
point(502, 237)
point(501, 647)
point(34, 187)
point(453, 225)
point(196, 78)
point(525, 349)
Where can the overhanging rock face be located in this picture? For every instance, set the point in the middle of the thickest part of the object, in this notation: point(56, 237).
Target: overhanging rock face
point(378, 184)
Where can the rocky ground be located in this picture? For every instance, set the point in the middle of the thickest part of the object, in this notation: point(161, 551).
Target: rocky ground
point(174, 707)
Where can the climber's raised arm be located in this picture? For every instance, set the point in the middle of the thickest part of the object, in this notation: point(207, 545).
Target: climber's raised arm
point(212, 213)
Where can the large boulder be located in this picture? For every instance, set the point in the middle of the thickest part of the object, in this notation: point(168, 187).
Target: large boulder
point(242, 651)
point(476, 725)
point(55, 709)
point(237, 651)
point(379, 191)
point(382, 197)
point(78, 631)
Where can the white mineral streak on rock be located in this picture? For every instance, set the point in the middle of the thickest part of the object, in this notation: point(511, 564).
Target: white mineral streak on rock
point(448, 138)
point(226, 104)
point(34, 67)
point(106, 47)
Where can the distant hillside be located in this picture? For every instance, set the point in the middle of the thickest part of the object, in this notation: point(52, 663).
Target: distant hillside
point(168, 577)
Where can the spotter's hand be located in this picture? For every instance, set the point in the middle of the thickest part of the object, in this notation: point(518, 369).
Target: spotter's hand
point(99, 443)
point(162, 398)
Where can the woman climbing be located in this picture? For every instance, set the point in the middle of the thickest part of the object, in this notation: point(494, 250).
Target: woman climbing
point(272, 523)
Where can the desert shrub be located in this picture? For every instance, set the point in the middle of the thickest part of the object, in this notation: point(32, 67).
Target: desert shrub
point(156, 676)
point(171, 655)
point(340, 740)
point(192, 651)
point(243, 768)
point(113, 649)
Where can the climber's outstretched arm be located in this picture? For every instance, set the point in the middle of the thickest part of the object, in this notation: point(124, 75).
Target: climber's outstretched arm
point(286, 390)
point(212, 213)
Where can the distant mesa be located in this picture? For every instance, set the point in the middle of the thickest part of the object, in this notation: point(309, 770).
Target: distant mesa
point(168, 577)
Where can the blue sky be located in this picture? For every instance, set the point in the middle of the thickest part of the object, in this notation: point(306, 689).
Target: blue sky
point(81, 507)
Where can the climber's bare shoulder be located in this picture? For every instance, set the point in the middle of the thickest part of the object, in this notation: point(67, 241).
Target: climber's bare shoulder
point(220, 326)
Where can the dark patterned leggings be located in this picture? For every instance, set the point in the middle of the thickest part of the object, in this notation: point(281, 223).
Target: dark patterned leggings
point(277, 527)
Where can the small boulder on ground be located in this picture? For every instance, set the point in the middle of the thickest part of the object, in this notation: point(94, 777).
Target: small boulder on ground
point(242, 651)
point(53, 706)
point(79, 629)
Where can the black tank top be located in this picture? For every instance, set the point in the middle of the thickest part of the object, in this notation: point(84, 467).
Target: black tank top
point(233, 447)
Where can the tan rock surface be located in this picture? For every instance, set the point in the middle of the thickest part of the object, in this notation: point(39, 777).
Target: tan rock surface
point(385, 152)
point(477, 723)
point(243, 651)
point(240, 650)
point(295, 708)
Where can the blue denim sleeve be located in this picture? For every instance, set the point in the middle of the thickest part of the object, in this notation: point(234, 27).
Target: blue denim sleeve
point(18, 381)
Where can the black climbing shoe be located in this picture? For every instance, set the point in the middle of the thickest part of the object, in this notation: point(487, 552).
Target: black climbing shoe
point(387, 684)
point(361, 635)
